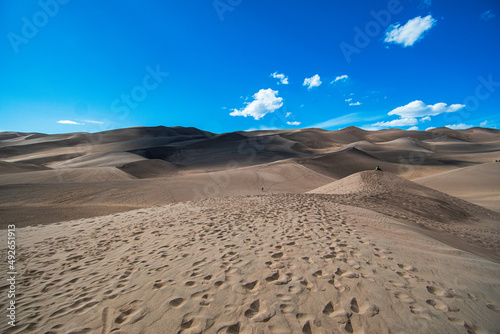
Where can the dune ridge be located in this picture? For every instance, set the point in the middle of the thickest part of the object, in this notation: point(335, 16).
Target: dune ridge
point(179, 230)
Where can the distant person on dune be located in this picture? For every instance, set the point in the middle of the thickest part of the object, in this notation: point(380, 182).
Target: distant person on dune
point(378, 168)
point(262, 188)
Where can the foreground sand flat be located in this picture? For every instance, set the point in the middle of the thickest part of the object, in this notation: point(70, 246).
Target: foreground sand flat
point(279, 263)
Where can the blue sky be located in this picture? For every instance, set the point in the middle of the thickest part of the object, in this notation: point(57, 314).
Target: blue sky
point(227, 65)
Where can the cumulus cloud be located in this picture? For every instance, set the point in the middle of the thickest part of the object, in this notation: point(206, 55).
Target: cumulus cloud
point(282, 78)
point(487, 15)
point(460, 126)
point(417, 112)
point(430, 128)
point(69, 122)
point(348, 100)
point(483, 124)
point(313, 81)
point(420, 109)
point(341, 78)
point(265, 101)
point(293, 123)
point(413, 128)
point(355, 103)
point(411, 32)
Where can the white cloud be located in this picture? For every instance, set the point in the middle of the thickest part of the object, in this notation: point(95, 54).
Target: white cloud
point(348, 100)
point(417, 111)
point(341, 77)
point(355, 103)
point(293, 123)
point(413, 128)
point(483, 124)
point(288, 114)
point(313, 81)
point(69, 122)
point(342, 120)
point(487, 15)
point(420, 109)
point(411, 32)
point(265, 101)
point(397, 123)
point(460, 126)
point(430, 128)
point(262, 128)
point(94, 122)
point(283, 79)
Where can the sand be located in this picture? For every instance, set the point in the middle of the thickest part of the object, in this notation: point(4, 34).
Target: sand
point(478, 184)
point(167, 230)
point(280, 263)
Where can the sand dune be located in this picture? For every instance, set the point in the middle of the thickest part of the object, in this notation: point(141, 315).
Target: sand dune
point(52, 193)
point(12, 167)
point(99, 160)
point(478, 184)
point(260, 264)
point(73, 175)
point(149, 168)
point(432, 211)
point(183, 159)
point(328, 246)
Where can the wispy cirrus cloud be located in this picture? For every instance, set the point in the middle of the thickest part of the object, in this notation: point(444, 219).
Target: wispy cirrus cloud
point(409, 33)
point(314, 81)
point(68, 122)
point(487, 15)
point(342, 120)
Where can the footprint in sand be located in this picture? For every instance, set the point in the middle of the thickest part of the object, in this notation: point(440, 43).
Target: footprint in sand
point(439, 292)
point(277, 255)
point(253, 310)
point(365, 308)
point(438, 305)
point(177, 302)
point(336, 312)
point(250, 286)
point(493, 307)
point(231, 329)
point(472, 328)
